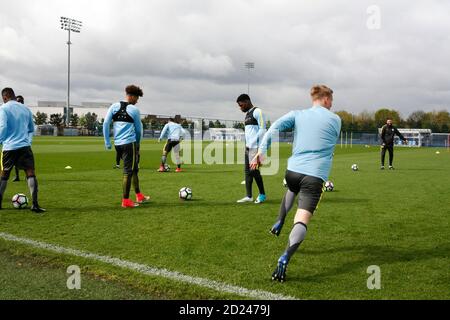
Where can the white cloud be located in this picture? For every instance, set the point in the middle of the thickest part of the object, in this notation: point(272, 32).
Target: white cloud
point(189, 55)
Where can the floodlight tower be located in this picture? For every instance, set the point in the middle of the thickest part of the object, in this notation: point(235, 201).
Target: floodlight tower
point(248, 66)
point(70, 25)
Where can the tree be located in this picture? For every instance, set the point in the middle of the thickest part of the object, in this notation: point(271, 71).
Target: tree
point(442, 120)
point(366, 121)
point(217, 124)
point(82, 122)
point(56, 119)
point(185, 124)
point(416, 119)
point(346, 119)
point(40, 118)
point(238, 125)
point(74, 119)
point(382, 115)
point(211, 124)
point(91, 121)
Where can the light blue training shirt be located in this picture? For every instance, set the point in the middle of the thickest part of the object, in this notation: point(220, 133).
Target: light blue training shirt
point(173, 131)
point(16, 126)
point(255, 127)
point(316, 131)
point(124, 132)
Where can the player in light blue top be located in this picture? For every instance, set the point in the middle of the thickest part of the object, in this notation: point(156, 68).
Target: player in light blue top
point(127, 127)
point(16, 126)
point(316, 131)
point(255, 128)
point(174, 133)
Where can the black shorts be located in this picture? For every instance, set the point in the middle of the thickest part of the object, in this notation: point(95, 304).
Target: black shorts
point(129, 153)
point(170, 144)
point(309, 189)
point(22, 158)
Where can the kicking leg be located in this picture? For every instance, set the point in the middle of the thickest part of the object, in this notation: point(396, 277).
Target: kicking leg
point(286, 206)
point(296, 237)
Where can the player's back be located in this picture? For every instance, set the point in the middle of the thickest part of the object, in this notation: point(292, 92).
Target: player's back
point(16, 124)
point(174, 130)
point(123, 123)
point(316, 132)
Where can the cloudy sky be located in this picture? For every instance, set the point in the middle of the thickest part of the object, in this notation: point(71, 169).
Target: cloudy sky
point(189, 55)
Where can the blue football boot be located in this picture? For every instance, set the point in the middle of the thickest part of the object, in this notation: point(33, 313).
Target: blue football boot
point(280, 272)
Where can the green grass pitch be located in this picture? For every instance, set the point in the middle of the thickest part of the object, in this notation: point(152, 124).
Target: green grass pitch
point(398, 220)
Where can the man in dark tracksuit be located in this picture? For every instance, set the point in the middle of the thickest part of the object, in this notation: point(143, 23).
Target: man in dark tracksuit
point(387, 142)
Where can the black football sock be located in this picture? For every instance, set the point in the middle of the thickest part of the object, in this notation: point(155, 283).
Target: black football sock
point(259, 181)
point(135, 180)
point(248, 185)
point(33, 186)
point(3, 183)
point(296, 237)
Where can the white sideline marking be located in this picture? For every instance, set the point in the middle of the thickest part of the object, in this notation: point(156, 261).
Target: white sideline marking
point(152, 271)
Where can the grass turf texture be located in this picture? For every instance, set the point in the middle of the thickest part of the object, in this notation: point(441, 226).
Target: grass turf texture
point(398, 220)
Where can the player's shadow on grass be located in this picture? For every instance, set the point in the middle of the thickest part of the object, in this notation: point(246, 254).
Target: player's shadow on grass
point(372, 255)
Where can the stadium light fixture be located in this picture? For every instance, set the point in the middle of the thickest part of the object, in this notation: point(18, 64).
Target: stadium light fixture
point(248, 66)
point(69, 25)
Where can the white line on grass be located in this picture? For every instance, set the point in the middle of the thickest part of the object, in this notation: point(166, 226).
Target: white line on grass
point(152, 271)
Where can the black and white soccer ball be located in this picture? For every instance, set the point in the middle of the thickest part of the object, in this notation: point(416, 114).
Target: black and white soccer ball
point(329, 186)
point(166, 167)
point(19, 201)
point(185, 193)
point(355, 167)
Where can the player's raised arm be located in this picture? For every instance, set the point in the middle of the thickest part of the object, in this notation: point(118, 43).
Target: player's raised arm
point(284, 123)
point(106, 128)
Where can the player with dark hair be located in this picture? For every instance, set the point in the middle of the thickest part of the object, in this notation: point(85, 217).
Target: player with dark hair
point(316, 132)
point(174, 133)
point(255, 127)
point(17, 178)
point(127, 127)
point(16, 126)
point(388, 131)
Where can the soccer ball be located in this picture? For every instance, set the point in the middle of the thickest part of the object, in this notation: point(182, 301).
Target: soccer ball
point(185, 193)
point(354, 167)
point(166, 167)
point(284, 183)
point(329, 186)
point(19, 201)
